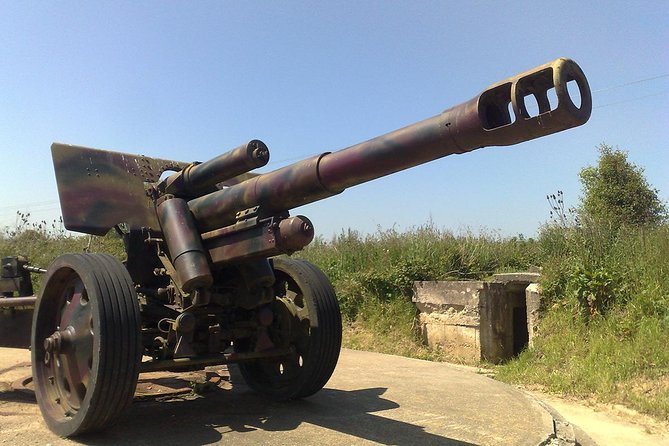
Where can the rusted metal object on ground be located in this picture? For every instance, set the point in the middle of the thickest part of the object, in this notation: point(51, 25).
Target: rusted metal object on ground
point(16, 301)
point(202, 283)
point(15, 278)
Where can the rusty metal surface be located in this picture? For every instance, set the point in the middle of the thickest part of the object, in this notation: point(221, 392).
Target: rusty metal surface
point(149, 385)
point(15, 276)
point(9, 284)
point(214, 360)
point(18, 302)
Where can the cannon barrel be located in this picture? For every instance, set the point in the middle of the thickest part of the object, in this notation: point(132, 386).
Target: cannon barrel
point(201, 178)
point(498, 116)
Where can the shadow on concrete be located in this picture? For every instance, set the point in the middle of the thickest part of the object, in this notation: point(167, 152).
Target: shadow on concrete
point(221, 416)
point(10, 395)
point(235, 413)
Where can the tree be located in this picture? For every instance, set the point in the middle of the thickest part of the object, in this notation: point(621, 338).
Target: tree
point(615, 192)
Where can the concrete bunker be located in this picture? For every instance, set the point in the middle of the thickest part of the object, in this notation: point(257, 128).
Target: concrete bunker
point(480, 320)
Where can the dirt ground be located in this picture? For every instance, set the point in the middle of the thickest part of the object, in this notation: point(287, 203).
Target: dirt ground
point(606, 425)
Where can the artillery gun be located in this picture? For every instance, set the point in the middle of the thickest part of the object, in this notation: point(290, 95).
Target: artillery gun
point(204, 282)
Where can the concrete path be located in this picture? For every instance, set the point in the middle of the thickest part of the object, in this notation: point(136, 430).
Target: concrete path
point(371, 399)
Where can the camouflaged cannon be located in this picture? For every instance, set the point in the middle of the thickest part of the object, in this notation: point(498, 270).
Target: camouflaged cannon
point(205, 282)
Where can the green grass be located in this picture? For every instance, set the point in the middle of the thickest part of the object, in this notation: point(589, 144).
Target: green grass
point(608, 360)
point(374, 275)
point(42, 242)
point(380, 268)
point(607, 329)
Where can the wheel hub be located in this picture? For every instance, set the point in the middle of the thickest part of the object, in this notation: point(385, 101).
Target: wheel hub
point(59, 341)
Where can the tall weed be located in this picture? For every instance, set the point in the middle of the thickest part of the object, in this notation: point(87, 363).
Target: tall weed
point(382, 267)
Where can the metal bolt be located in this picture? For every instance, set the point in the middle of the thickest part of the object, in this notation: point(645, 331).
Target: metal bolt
point(53, 342)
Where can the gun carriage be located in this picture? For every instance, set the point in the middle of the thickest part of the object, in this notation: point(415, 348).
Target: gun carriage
point(204, 282)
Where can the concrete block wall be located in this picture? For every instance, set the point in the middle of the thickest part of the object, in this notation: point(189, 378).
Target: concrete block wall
point(477, 320)
point(534, 308)
point(450, 316)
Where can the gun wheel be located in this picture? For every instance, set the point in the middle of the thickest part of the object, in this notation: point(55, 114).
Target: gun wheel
point(85, 343)
point(306, 319)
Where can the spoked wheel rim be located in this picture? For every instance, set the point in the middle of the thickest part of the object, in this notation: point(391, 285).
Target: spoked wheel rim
point(307, 322)
point(86, 344)
point(289, 330)
point(68, 349)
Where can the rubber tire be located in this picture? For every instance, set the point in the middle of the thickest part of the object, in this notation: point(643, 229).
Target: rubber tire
point(319, 358)
point(116, 342)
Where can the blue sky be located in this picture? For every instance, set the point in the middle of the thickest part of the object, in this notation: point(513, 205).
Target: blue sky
point(189, 80)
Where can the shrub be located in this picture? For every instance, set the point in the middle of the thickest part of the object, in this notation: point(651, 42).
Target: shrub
point(615, 192)
point(596, 290)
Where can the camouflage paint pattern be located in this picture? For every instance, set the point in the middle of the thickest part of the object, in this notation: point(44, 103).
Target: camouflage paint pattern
point(250, 240)
point(482, 121)
point(201, 178)
point(99, 189)
point(184, 244)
